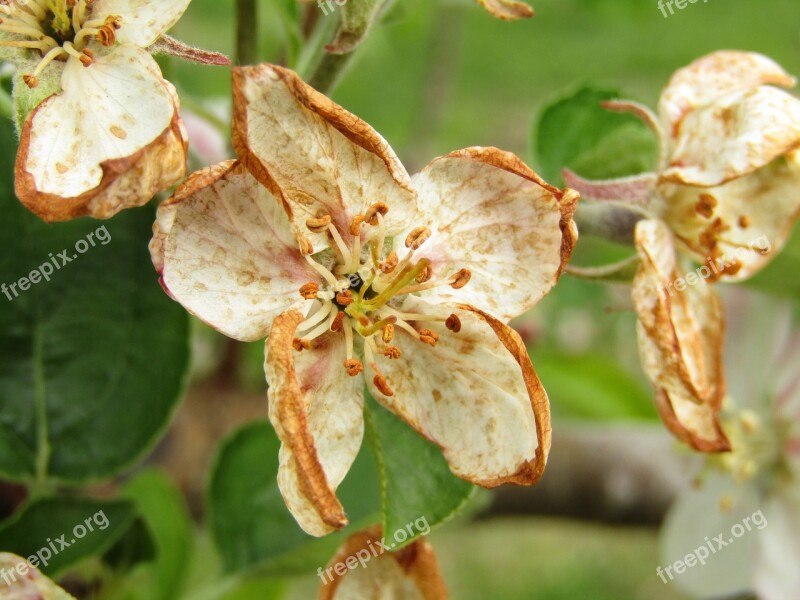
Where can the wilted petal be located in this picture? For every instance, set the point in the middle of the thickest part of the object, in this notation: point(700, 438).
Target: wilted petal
point(475, 394)
point(713, 76)
point(756, 214)
point(777, 576)
point(316, 156)
point(30, 586)
point(317, 411)
point(224, 249)
point(111, 140)
point(680, 341)
point(694, 520)
point(739, 133)
point(408, 574)
point(508, 10)
point(491, 214)
point(142, 20)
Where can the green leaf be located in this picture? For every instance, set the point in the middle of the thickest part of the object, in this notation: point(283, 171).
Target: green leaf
point(576, 132)
point(93, 356)
point(56, 532)
point(419, 490)
point(263, 589)
point(170, 528)
point(592, 387)
point(249, 521)
point(135, 547)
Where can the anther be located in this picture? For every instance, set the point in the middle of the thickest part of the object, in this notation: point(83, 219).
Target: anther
point(388, 265)
point(338, 322)
point(30, 81)
point(382, 385)
point(305, 245)
point(392, 352)
point(355, 224)
point(353, 367)
point(344, 298)
point(744, 221)
point(425, 275)
point(319, 224)
point(379, 208)
point(428, 336)
point(460, 279)
point(300, 345)
point(309, 291)
point(705, 205)
point(87, 57)
point(417, 237)
point(453, 323)
point(388, 333)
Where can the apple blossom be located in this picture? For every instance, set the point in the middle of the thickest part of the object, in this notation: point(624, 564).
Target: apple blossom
point(317, 239)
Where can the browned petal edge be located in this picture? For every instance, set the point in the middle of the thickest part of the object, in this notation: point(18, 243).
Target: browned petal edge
point(292, 421)
point(670, 419)
point(357, 131)
point(567, 199)
point(529, 472)
point(191, 185)
point(507, 10)
point(417, 560)
point(52, 207)
point(664, 331)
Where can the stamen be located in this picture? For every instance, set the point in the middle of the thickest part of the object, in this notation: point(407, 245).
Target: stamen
point(417, 237)
point(347, 258)
point(376, 327)
point(744, 221)
point(344, 298)
point(379, 380)
point(379, 208)
point(425, 275)
point(305, 245)
point(300, 345)
point(388, 333)
point(353, 366)
point(318, 224)
point(428, 336)
point(453, 323)
point(348, 338)
point(382, 385)
point(460, 279)
point(705, 205)
point(319, 316)
point(326, 274)
point(323, 328)
point(338, 322)
point(355, 224)
point(392, 352)
point(309, 291)
point(388, 265)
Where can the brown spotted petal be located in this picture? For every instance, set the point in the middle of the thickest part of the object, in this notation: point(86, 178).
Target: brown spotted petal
point(142, 20)
point(714, 76)
point(313, 154)
point(224, 249)
point(411, 573)
point(475, 394)
point(739, 133)
point(111, 140)
point(735, 229)
point(22, 581)
point(508, 10)
point(317, 411)
point(491, 214)
point(680, 340)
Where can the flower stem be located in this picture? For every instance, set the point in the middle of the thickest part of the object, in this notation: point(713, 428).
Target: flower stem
point(246, 32)
point(6, 105)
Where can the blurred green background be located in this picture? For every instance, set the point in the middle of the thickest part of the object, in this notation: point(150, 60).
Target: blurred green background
point(441, 75)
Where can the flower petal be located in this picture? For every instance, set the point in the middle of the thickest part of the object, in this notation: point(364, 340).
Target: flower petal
point(411, 573)
point(475, 394)
point(314, 155)
point(317, 411)
point(508, 10)
point(491, 214)
point(223, 248)
point(777, 576)
point(756, 213)
point(680, 341)
point(142, 20)
point(713, 76)
point(695, 520)
point(32, 584)
point(738, 134)
point(111, 140)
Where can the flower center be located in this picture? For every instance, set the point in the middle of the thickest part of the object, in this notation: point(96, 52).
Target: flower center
point(757, 446)
point(361, 286)
point(56, 28)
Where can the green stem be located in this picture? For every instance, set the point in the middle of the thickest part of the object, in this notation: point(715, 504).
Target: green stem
point(6, 105)
point(246, 32)
point(329, 72)
point(314, 51)
point(608, 221)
